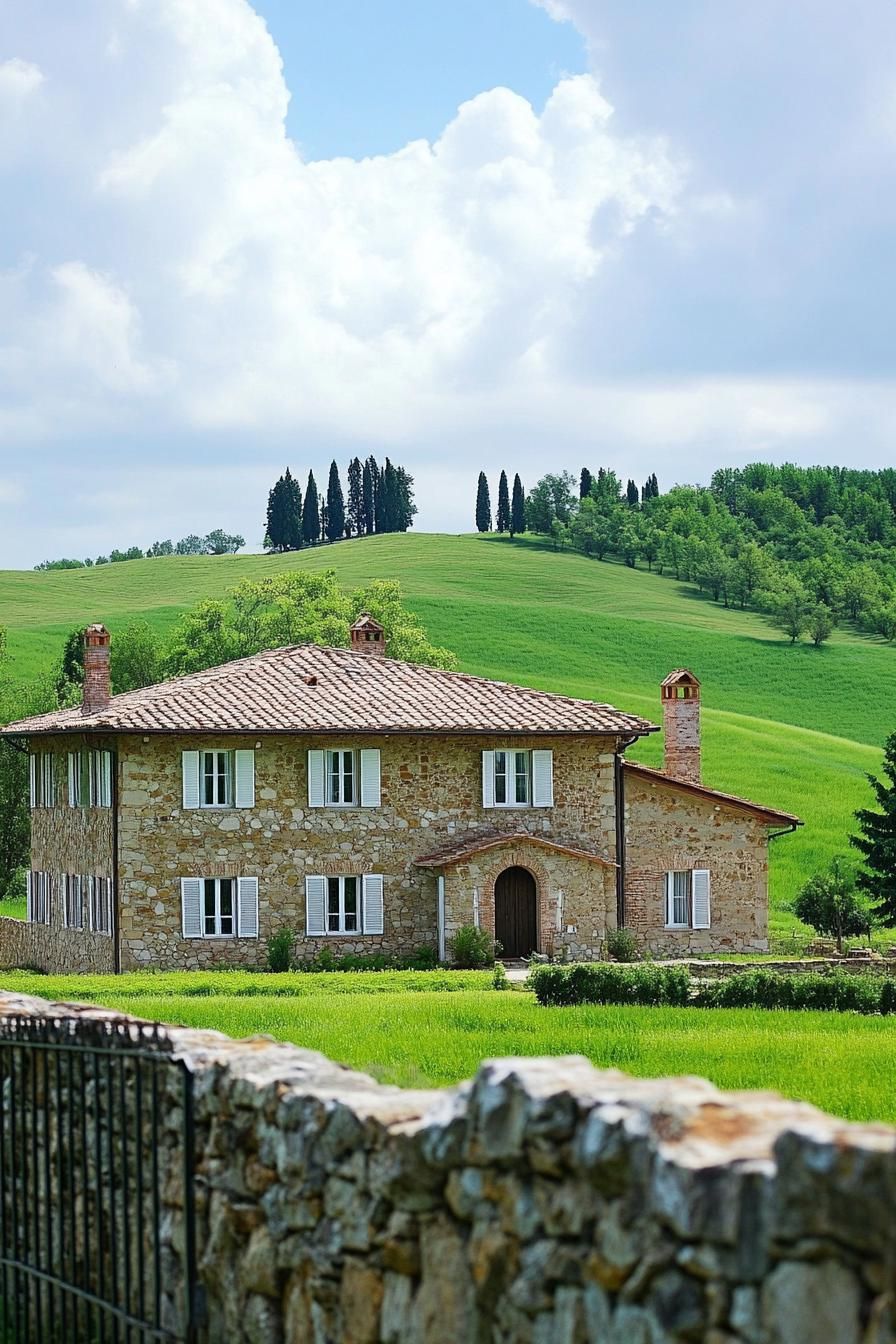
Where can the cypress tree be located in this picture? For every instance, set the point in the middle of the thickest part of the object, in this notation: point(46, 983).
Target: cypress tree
point(293, 512)
point(375, 507)
point(502, 521)
point(283, 529)
point(335, 506)
point(273, 531)
point(381, 502)
point(654, 487)
point(311, 513)
point(517, 507)
point(368, 498)
point(483, 505)
point(354, 525)
point(876, 841)
point(406, 506)
point(631, 494)
point(586, 480)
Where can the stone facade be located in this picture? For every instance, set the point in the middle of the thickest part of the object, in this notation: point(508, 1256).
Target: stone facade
point(50, 947)
point(431, 792)
point(668, 829)
point(543, 1203)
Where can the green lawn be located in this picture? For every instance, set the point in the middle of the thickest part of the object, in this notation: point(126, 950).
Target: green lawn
point(794, 727)
point(842, 1063)
point(13, 909)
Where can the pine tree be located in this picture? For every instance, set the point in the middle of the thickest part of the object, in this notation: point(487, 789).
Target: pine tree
point(517, 507)
point(631, 494)
point(586, 480)
point(335, 506)
point(311, 513)
point(406, 506)
point(502, 521)
point(877, 841)
point(483, 505)
point(355, 511)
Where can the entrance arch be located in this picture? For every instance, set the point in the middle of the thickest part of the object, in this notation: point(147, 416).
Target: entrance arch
point(516, 913)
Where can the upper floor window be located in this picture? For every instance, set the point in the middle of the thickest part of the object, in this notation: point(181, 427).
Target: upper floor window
point(43, 779)
point(90, 778)
point(40, 898)
point(344, 777)
point(515, 777)
point(215, 777)
point(687, 899)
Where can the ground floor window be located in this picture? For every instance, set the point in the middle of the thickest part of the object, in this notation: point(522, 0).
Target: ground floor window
point(342, 905)
point(350, 904)
point(219, 920)
point(40, 898)
point(687, 899)
point(73, 912)
point(219, 907)
point(101, 904)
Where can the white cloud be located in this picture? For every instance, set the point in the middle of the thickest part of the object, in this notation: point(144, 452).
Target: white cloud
point(18, 80)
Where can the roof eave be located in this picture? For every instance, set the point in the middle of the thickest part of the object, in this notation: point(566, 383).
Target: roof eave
point(773, 816)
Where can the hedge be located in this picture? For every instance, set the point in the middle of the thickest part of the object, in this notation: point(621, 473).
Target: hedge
point(600, 982)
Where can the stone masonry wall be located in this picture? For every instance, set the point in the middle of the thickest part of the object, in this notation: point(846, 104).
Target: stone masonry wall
point(431, 790)
point(669, 830)
point(543, 1203)
point(50, 947)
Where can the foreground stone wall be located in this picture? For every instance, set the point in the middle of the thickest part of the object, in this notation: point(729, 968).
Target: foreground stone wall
point(543, 1203)
point(51, 947)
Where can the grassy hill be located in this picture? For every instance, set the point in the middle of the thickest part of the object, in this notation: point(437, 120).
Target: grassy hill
point(796, 727)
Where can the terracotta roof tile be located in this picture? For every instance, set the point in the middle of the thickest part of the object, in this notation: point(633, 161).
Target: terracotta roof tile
point(464, 846)
point(310, 689)
point(730, 799)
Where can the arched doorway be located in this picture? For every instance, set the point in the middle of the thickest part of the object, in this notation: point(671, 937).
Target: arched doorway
point(516, 913)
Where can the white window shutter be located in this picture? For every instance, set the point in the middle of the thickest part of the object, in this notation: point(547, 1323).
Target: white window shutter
point(700, 916)
point(488, 779)
point(315, 906)
point(670, 910)
point(106, 776)
point(191, 785)
point(74, 777)
point(29, 897)
point(317, 796)
point(244, 778)
point(191, 906)
point(370, 778)
point(32, 764)
point(247, 890)
point(373, 902)
point(91, 903)
point(542, 779)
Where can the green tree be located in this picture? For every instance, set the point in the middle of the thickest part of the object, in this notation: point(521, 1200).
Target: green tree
point(876, 840)
point(632, 495)
point(407, 509)
point(517, 507)
point(821, 624)
point(311, 513)
point(370, 480)
point(191, 545)
point(16, 702)
point(586, 481)
point(335, 506)
point(69, 678)
point(483, 505)
point(283, 531)
point(502, 520)
point(294, 608)
point(355, 509)
point(219, 542)
point(790, 613)
point(830, 903)
point(628, 545)
point(135, 658)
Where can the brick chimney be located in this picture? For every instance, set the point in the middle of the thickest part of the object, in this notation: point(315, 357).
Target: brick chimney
point(368, 636)
point(681, 726)
point(97, 678)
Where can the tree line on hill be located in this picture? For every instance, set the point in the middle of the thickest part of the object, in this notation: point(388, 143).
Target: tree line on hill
point(808, 547)
point(376, 500)
point(216, 542)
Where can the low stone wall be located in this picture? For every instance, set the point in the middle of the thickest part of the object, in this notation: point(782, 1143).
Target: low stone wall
point(50, 947)
point(543, 1203)
point(723, 970)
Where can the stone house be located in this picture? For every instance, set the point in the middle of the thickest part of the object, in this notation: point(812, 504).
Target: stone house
point(368, 804)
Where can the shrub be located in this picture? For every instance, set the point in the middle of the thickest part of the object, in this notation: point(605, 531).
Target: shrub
point(280, 950)
point(472, 948)
point(499, 977)
point(621, 946)
point(598, 982)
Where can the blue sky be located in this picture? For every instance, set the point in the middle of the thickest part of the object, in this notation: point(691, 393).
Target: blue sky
point(521, 234)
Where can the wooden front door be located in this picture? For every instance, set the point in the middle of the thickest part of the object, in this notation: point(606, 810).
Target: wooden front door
point(516, 913)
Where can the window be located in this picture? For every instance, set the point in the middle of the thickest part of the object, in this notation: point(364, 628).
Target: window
point(515, 777)
point(349, 905)
point(341, 790)
point(100, 778)
point(342, 905)
point(511, 779)
point(40, 898)
point(218, 918)
point(343, 777)
point(687, 899)
point(101, 904)
point(217, 779)
point(78, 778)
point(73, 911)
point(43, 779)
point(219, 907)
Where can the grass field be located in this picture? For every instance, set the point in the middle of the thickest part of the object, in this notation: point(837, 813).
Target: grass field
point(842, 1063)
point(794, 727)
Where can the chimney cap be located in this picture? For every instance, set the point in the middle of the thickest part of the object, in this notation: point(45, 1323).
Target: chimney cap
point(366, 622)
point(680, 677)
point(96, 634)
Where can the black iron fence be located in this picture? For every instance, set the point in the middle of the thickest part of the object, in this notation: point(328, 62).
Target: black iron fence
point(97, 1216)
